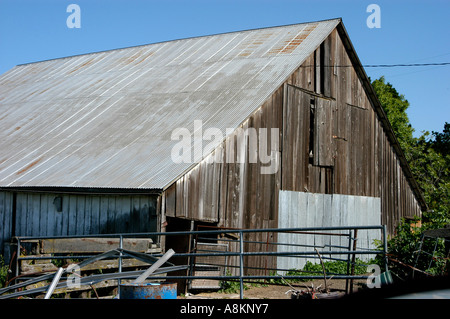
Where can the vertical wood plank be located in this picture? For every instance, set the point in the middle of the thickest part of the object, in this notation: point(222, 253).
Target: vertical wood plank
point(95, 214)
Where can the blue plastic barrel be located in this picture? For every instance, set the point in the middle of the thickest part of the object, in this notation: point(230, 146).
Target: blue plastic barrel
point(162, 290)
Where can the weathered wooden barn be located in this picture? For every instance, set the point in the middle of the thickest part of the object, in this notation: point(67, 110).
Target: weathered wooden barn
point(152, 137)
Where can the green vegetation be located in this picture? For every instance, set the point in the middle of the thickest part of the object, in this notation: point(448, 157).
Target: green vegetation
point(231, 286)
point(403, 250)
point(310, 269)
point(331, 268)
point(3, 272)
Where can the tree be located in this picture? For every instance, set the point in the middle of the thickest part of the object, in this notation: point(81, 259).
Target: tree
point(429, 159)
point(395, 106)
point(427, 155)
point(431, 169)
point(442, 140)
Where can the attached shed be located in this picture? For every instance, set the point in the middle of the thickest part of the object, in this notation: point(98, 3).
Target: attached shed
point(210, 129)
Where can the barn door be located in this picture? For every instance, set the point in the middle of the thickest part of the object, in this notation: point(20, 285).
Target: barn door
point(308, 145)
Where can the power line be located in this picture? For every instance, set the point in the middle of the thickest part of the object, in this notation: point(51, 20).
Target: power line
point(386, 65)
point(403, 65)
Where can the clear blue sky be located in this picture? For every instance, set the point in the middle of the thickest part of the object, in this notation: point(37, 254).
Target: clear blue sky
point(411, 32)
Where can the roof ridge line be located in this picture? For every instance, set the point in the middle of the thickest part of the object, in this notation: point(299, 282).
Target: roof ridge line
point(178, 39)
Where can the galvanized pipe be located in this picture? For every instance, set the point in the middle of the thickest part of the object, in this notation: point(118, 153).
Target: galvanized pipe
point(120, 264)
point(55, 281)
point(241, 264)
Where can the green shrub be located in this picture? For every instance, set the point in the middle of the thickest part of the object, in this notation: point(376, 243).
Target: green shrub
point(3, 272)
point(336, 267)
point(403, 250)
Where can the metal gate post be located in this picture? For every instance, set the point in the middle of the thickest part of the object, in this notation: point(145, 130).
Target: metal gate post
point(241, 264)
point(385, 248)
point(17, 260)
point(120, 265)
point(347, 281)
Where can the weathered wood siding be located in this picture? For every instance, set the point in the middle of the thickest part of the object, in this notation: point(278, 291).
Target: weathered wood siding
point(40, 214)
point(365, 162)
point(331, 140)
point(6, 208)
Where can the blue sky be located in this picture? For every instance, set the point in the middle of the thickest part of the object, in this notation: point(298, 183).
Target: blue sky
point(411, 31)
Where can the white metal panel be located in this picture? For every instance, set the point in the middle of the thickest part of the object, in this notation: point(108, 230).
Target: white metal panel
point(300, 210)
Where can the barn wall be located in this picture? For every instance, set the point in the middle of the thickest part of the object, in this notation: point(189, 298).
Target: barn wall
point(6, 208)
point(339, 147)
point(365, 162)
point(219, 190)
point(47, 214)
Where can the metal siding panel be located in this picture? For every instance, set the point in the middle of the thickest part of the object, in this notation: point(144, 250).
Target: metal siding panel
point(321, 210)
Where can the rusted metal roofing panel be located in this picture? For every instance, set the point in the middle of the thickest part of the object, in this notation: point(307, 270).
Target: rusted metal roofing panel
point(105, 119)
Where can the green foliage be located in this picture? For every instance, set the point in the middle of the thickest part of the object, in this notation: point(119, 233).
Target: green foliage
point(442, 140)
point(331, 268)
point(428, 155)
point(430, 166)
point(404, 248)
point(395, 106)
point(336, 267)
point(231, 286)
point(3, 272)
point(429, 159)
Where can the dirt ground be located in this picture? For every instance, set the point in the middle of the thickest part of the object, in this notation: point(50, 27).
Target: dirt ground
point(276, 291)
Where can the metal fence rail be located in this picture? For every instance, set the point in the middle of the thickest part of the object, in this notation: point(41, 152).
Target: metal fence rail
point(348, 250)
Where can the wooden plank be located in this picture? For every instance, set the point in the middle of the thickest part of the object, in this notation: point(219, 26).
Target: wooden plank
point(324, 148)
point(95, 215)
point(57, 215)
point(180, 205)
point(317, 77)
point(215, 179)
point(92, 245)
point(328, 66)
point(6, 199)
point(103, 215)
point(123, 222)
point(28, 269)
point(304, 136)
point(170, 200)
point(287, 143)
point(34, 214)
point(21, 217)
point(80, 215)
point(72, 215)
point(223, 191)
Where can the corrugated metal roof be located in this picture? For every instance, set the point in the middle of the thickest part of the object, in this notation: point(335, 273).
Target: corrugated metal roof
point(105, 119)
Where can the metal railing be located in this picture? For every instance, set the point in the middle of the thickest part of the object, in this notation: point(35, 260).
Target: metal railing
point(238, 258)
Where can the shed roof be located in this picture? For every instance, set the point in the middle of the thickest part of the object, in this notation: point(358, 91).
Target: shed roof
point(105, 119)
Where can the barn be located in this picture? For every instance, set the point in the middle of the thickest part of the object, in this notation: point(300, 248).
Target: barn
point(234, 130)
